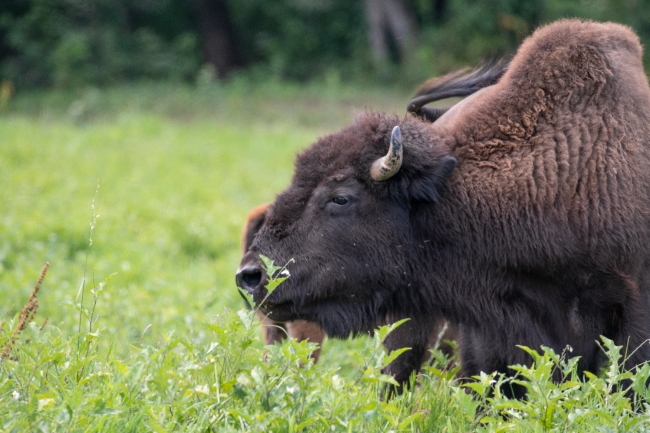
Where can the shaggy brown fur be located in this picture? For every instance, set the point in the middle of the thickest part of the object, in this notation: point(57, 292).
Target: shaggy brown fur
point(522, 215)
point(553, 180)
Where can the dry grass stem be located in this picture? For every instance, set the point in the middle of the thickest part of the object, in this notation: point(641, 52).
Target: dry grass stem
point(26, 315)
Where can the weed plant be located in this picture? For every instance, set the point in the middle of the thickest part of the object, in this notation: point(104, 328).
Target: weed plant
point(230, 383)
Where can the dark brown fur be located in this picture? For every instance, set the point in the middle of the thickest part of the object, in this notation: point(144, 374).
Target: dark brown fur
point(522, 215)
point(276, 331)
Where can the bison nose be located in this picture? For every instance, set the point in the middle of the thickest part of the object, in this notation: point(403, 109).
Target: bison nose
point(249, 278)
point(250, 275)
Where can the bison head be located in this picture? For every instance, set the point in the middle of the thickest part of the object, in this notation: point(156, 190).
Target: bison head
point(354, 220)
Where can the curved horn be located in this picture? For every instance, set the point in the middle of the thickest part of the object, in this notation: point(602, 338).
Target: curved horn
point(386, 166)
point(430, 114)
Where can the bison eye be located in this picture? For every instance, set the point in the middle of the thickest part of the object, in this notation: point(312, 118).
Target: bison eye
point(340, 200)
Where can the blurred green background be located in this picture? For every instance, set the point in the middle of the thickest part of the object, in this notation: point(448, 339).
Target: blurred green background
point(66, 43)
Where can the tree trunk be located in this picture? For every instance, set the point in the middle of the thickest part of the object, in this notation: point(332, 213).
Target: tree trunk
point(389, 18)
point(217, 36)
point(439, 10)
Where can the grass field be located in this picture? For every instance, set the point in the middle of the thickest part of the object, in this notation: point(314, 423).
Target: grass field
point(165, 175)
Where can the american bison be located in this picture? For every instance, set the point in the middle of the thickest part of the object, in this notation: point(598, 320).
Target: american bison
point(522, 215)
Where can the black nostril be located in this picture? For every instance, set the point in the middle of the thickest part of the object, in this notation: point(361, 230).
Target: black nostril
point(252, 278)
point(249, 278)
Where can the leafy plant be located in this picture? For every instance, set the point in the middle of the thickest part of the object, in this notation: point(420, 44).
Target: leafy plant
point(276, 274)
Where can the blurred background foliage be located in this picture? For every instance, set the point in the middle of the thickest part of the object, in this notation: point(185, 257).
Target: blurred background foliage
point(65, 43)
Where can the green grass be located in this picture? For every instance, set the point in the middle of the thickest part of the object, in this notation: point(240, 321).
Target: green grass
point(178, 168)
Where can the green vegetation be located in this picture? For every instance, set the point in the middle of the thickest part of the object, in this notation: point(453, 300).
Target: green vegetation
point(145, 330)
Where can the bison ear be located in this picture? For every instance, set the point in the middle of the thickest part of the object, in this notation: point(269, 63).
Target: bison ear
point(254, 223)
point(427, 187)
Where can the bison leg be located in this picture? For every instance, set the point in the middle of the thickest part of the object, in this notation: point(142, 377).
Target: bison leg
point(635, 352)
point(276, 332)
point(303, 330)
point(442, 337)
point(635, 339)
point(495, 350)
point(272, 331)
point(415, 334)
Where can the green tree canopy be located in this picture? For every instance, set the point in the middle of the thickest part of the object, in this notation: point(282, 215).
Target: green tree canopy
point(72, 42)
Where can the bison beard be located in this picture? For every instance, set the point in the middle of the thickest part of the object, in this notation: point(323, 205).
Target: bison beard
point(522, 214)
